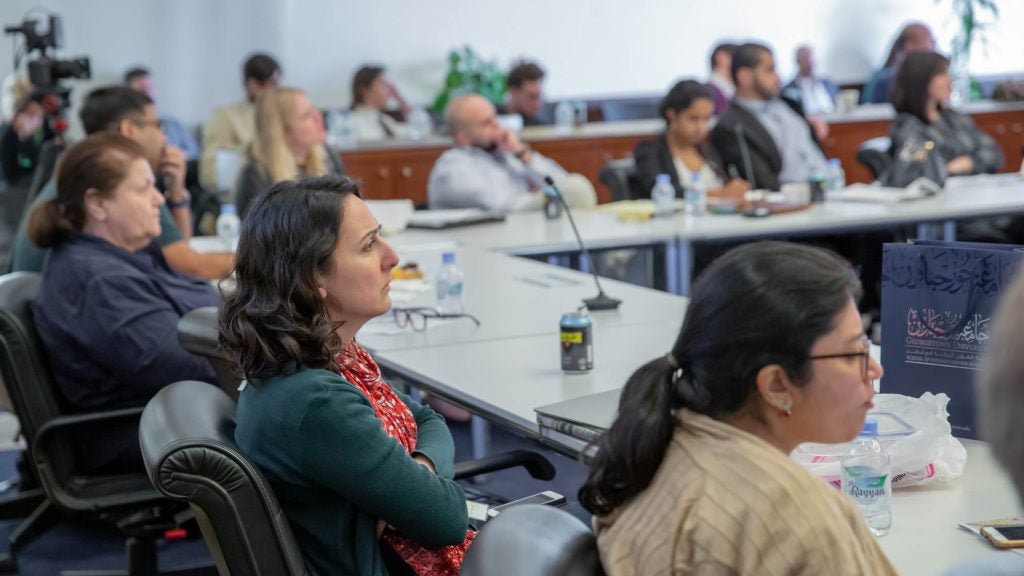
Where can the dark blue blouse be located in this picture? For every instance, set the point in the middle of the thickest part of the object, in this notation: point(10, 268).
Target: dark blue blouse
point(109, 321)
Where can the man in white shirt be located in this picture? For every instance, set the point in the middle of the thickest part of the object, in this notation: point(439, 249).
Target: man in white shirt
point(817, 95)
point(489, 167)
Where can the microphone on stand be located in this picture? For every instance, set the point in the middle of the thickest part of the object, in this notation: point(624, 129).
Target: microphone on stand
point(748, 166)
point(602, 301)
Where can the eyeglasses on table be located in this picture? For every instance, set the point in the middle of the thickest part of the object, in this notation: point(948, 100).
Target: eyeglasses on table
point(417, 318)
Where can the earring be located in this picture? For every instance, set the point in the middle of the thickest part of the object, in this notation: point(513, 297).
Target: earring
point(786, 411)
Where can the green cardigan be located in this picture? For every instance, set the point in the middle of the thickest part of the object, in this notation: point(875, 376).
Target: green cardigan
point(336, 472)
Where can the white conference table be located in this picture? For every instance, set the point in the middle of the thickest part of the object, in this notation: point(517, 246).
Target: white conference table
point(531, 234)
point(924, 539)
point(512, 297)
point(504, 380)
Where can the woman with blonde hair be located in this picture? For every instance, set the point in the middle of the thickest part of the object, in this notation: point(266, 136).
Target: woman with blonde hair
point(289, 143)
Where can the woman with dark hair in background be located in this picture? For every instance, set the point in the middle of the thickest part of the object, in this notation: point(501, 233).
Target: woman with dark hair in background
point(681, 150)
point(694, 475)
point(363, 473)
point(108, 305)
point(921, 98)
point(371, 94)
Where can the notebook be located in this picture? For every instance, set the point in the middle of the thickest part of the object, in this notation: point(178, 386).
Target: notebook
point(442, 219)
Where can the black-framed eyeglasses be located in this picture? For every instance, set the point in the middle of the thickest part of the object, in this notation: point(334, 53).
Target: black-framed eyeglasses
point(416, 318)
point(865, 357)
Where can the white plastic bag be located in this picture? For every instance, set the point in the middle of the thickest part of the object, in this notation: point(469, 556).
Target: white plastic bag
point(917, 435)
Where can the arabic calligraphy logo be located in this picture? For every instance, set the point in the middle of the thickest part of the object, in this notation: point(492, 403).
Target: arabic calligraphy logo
point(946, 325)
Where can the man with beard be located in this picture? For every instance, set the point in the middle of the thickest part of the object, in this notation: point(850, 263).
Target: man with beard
point(764, 139)
point(489, 167)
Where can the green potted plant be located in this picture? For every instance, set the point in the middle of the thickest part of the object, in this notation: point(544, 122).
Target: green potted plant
point(468, 72)
point(973, 17)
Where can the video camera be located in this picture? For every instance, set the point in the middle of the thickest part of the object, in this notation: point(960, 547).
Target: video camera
point(46, 72)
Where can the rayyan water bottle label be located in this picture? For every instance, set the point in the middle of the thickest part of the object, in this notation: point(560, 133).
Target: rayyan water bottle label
point(865, 485)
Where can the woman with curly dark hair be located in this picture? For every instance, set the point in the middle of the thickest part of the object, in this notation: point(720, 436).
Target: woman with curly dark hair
point(363, 473)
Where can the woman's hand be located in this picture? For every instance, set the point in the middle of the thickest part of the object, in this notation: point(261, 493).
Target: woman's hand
point(734, 188)
point(960, 165)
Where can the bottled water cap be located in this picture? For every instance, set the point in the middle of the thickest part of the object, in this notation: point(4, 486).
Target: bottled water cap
point(662, 179)
point(835, 162)
point(448, 258)
point(870, 428)
point(228, 209)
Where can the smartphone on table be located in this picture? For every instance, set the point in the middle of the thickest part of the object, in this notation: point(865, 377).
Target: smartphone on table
point(1005, 536)
point(547, 498)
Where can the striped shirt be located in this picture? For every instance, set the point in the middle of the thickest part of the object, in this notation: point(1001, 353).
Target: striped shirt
point(726, 502)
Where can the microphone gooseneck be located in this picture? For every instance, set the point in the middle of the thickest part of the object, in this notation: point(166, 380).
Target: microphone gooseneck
point(748, 166)
point(602, 301)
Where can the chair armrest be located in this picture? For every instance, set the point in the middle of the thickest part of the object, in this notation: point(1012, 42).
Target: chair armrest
point(197, 332)
point(536, 465)
point(62, 423)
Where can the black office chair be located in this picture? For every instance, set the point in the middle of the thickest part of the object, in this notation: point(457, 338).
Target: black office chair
point(187, 439)
point(876, 155)
point(536, 540)
point(620, 176)
point(50, 430)
point(197, 333)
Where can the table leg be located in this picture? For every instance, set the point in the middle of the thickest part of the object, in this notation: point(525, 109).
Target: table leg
point(925, 231)
point(480, 432)
point(672, 267)
point(685, 271)
point(949, 230)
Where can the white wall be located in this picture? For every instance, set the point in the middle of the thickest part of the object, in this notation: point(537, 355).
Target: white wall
point(589, 47)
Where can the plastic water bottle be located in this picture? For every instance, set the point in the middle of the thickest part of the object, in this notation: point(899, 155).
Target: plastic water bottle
point(339, 129)
point(867, 478)
point(664, 195)
point(565, 117)
point(836, 175)
point(449, 286)
point(420, 125)
point(229, 226)
point(696, 197)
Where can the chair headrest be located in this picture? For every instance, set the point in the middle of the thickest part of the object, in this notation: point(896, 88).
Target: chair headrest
point(533, 539)
point(187, 438)
point(26, 370)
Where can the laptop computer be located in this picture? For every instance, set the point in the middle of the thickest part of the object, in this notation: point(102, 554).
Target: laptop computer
point(583, 416)
point(444, 219)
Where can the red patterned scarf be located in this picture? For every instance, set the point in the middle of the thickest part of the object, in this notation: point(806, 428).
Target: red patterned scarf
point(360, 370)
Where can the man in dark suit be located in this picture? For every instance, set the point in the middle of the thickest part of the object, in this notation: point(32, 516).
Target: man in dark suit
point(761, 137)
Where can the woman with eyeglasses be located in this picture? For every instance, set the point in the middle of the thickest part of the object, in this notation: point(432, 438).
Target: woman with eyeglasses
point(363, 473)
point(289, 143)
point(694, 475)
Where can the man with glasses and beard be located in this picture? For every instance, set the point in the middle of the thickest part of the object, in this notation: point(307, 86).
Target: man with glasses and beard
point(764, 139)
point(489, 167)
point(132, 114)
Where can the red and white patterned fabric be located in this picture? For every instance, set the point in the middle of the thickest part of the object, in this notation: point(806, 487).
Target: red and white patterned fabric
point(360, 370)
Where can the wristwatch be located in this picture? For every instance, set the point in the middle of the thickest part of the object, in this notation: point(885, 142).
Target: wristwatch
point(185, 202)
point(521, 152)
